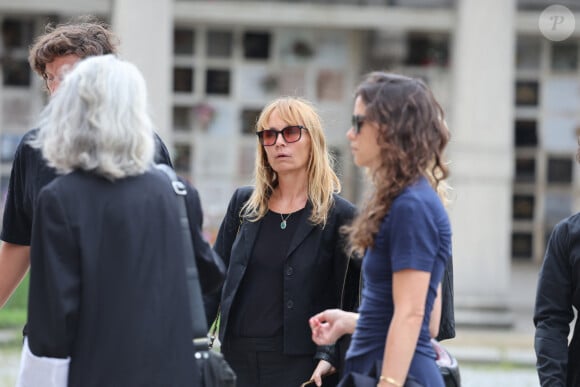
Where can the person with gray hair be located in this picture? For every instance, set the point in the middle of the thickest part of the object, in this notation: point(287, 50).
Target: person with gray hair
point(99, 122)
point(51, 54)
point(108, 292)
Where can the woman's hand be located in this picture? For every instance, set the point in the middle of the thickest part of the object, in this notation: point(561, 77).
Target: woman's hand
point(328, 326)
point(323, 368)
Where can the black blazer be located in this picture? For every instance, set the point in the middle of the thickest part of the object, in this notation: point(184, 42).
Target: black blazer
point(315, 268)
point(107, 280)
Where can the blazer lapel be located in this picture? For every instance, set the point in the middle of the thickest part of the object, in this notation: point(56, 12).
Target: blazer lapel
point(305, 227)
point(248, 234)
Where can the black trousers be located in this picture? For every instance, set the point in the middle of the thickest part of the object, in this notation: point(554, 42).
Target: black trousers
point(260, 362)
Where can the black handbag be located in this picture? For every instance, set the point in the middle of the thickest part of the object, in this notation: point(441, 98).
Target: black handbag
point(214, 369)
point(447, 364)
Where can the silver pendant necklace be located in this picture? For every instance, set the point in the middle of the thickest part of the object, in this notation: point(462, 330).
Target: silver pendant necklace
point(283, 222)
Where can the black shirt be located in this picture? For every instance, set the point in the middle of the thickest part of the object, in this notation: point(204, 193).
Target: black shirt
point(558, 294)
point(258, 310)
point(29, 175)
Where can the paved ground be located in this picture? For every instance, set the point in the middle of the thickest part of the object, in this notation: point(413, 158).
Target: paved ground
point(485, 376)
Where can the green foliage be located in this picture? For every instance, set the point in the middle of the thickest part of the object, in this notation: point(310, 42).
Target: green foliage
point(12, 318)
point(13, 314)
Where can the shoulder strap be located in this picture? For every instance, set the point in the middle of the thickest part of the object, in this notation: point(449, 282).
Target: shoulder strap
point(197, 310)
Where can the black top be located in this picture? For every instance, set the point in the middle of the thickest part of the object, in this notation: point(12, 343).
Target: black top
point(557, 295)
point(107, 281)
point(29, 174)
point(259, 307)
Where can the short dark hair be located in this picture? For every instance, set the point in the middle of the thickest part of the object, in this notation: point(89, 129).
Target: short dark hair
point(84, 37)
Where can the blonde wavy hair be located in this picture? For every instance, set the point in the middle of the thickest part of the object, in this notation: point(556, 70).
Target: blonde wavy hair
point(322, 180)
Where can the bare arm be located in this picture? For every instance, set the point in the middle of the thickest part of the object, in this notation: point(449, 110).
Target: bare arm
point(409, 295)
point(14, 263)
point(435, 319)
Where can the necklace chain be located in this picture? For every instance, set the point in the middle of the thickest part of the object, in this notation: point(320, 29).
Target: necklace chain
point(283, 222)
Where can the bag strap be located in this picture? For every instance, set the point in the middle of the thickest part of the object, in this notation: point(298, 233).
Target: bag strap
point(197, 309)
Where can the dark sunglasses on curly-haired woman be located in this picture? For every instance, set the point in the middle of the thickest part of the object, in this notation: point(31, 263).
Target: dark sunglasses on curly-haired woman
point(357, 122)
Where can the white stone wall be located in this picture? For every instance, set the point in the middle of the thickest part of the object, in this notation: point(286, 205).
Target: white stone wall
point(145, 28)
point(481, 151)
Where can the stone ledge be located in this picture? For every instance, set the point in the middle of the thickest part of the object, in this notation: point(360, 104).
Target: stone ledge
point(492, 355)
point(498, 319)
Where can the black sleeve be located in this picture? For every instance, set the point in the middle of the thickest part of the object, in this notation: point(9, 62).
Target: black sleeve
point(225, 239)
point(17, 222)
point(209, 265)
point(347, 275)
point(447, 324)
point(161, 152)
point(55, 280)
point(553, 310)
point(230, 225)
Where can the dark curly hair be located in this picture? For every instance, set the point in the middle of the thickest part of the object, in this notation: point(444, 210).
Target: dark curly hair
point(412, 137)
point(84, 37)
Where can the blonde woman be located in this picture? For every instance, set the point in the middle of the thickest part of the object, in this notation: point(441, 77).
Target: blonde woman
point(285, 254)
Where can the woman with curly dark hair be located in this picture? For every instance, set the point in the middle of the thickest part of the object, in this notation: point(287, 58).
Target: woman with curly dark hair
point(399, 135)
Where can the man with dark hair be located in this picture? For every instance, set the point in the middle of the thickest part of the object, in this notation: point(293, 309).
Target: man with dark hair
point(52, 53)
point(67, 44)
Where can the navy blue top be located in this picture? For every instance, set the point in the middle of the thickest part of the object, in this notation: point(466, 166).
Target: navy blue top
point(415, 234)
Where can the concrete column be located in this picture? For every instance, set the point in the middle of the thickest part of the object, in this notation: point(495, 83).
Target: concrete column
point(145, 28)
point(481, 154)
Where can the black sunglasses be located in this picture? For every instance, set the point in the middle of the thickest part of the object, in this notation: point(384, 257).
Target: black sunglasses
point(357, 122)
point(291, 134)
